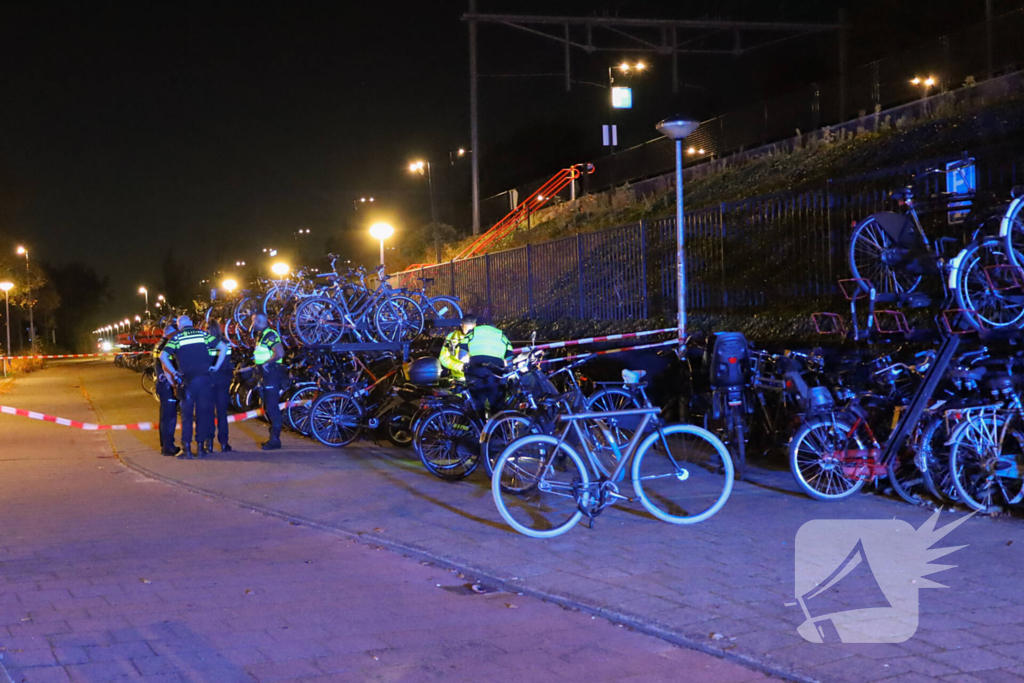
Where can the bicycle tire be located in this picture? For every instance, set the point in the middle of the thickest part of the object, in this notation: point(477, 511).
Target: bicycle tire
point(445, 307)
point(824, 431)
point(975, 470)
point(298, 410)
point(711, 463)
point(936, 475)
point(318, 321)
point(1011, 230)
point(528, 495)
point(502, 429)
point(398, 319)
point(868, 242)
point(740, 444)
point(906, 479)
point(448, 443)
point(336, 419)
point(149, 381)
point(979, 282)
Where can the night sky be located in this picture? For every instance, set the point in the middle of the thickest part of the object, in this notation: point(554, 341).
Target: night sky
point(215, 129)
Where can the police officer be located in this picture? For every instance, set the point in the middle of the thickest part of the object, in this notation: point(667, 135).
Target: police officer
point(189, 349)
point(221, 387)
point(488, 347)
point(452, 358)
point(269, 356)
point(168, 401)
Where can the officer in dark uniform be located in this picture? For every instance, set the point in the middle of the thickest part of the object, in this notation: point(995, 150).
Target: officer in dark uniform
point(487, 348)
point(168, 401)
point(189, 349)
point(269, 354)
point(221, 387)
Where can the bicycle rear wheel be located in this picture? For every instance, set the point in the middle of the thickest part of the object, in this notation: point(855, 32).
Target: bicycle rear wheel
point(874, 247)
point(448, 443)
point(815, 458)
point(987, 462)
point(336, 419)
point(501, 430)
point(398, 319)
point(444, 308)
point(683, 474)
point(987, 286)
point(540, 485)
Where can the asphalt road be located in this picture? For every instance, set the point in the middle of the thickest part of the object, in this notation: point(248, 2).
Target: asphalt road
point(110, 575)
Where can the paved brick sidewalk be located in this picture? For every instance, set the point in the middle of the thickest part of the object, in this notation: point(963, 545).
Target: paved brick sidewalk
point(723, 584)
point(106, 575)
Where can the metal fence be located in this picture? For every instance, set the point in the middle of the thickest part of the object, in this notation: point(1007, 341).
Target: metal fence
point(782, 251)
point(953, 60)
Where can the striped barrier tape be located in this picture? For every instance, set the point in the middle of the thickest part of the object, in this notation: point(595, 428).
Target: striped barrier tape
point(135, 427)
point(670, 342)
point(595, 340)
point(79, 355)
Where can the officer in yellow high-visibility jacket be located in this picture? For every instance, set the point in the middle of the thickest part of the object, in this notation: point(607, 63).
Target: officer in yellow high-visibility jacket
point(269, 355)
point(452, 358)
point(488, 347)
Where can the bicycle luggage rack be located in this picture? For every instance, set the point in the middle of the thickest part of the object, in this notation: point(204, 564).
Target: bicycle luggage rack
point(852, 292)
point(829, 323)
point(952, 319)
point(1015, 272)
point(896, 318)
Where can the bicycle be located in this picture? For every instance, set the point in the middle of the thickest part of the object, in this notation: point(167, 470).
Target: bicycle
point(542, 486)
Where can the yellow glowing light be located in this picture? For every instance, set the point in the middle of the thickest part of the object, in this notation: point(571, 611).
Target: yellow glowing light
point(700, 151)
point(691, 150)
point(640, 66)
point(929, 81)
point(22, 250)
point(6, 286)
point(229, 284)
point(280, 268)
point(381, 231)
point(624, 66)
point(138, 319)
point(462, 152)
point(416, 166)
point(142, 290)
point(915, 81)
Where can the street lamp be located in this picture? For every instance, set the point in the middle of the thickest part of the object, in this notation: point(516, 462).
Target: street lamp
point(145, 292)
point(22, 251)
point(677, 128)
point(6, 287)
point(229, 285)
point(381, 231)
point(422, 167)
point(280, 269)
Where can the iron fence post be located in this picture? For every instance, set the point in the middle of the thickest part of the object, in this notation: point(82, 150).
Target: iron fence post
point(644, 308)
point(579, 269)
point(487, 280)
point(451, 274)
point(529, 283)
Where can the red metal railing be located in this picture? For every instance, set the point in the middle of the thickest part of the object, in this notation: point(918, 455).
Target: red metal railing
point(544, 194)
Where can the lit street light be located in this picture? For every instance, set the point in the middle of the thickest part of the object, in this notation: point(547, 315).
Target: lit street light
point(381, 231)
point(422, 167)
point(145, 292)
point(239, 263)
point(22, 251)
point(6, 287)
point(676, 129)
point(280, 269)
point(229, 285)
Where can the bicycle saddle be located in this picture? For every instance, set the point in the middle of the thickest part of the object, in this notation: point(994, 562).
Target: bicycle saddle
point(633, 376)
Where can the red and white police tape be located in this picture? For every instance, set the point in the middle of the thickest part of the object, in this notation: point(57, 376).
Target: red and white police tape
point(595, 340)
point(79, 355)
point(670, 342)
point(137, 426)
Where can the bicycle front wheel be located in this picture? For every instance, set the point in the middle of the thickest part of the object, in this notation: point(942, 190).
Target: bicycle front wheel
point(299, 406)
point(682, 474)
point(448, 443)
point(540, 485)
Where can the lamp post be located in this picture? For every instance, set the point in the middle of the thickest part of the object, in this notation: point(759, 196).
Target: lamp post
point(423, 167)
point(676, 129)
point(22, 251)
point(145, 292)
point(381, 231)
point(6, 287)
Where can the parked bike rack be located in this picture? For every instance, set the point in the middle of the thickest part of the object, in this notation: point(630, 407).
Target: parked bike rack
point(892, 322)
point(1016, 277)
point(952, 320)
point(829, 323)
